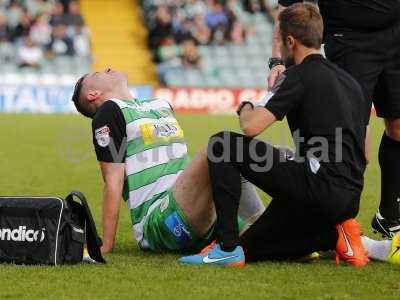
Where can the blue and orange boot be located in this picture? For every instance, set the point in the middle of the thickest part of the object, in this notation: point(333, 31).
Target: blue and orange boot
point(214, 255)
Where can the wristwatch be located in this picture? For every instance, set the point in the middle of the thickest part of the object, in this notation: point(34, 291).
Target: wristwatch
point(243, 104)
point(275, 61)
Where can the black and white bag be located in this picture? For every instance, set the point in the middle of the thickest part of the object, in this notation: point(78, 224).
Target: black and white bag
point(47, 230)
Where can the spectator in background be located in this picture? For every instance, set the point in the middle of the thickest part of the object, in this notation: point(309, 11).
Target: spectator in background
point(14, 13)
point(169, 50)
point(253, 6)
point(262, 6)
point(168, 56)
point(37, 7)
point(220, 19)
point(162, 27)
point(218, 36)
point(237, 34)
point(81, 42)
point(3, 28)
point(60, 44)
point(200, 32)
point(6, 48)
point(216, 16)
point(190, 57)
point(23, 27)
point(195, 7)
point(74, 17)
point(29, 55)
point(40, 31)
point(65, 4)
point(58, 16)
point(184, 31)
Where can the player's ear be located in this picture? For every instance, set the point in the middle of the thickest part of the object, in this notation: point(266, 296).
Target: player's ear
point(93, 95)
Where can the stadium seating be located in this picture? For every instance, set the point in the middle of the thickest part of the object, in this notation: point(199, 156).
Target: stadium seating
point(228, 64)
point(41, 38)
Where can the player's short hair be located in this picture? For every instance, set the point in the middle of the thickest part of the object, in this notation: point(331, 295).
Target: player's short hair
point(304, 22)
point(81, 105)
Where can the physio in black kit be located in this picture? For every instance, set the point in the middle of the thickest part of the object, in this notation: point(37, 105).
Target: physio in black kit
point(363, 38)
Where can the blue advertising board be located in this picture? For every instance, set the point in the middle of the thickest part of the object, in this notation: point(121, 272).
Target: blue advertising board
point(17, 98)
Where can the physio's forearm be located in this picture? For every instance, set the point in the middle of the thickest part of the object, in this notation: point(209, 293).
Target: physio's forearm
point(246, 121)
point(245, 117)
point(253, 121)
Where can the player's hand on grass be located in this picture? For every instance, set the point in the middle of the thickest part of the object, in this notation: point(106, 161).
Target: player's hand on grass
point(274, 74)
point(106, 248)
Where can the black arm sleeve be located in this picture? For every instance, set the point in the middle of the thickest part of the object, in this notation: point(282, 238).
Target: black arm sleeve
point(109, 133)
point(286, 94)
point(287, 3)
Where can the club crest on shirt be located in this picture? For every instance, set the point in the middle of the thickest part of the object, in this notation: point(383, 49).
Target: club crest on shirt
point(102, 136)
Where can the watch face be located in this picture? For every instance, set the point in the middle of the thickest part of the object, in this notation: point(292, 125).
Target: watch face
point(270, 61)
point(273, 61)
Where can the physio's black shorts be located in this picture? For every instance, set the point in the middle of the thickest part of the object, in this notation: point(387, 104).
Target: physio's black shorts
point(373, 58)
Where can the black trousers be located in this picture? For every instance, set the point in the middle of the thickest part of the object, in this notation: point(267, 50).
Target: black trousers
point(306, 207)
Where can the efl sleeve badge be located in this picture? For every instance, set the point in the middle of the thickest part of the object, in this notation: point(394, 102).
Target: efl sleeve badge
point(102, 136)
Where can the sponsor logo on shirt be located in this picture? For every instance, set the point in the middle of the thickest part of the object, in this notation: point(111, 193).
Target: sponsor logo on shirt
point(160, 132)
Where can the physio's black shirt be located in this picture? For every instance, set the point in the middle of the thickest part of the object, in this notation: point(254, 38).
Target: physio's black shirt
point(324, 104)
point(356, 15)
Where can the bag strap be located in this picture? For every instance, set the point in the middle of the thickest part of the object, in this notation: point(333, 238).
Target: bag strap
point(93, 241)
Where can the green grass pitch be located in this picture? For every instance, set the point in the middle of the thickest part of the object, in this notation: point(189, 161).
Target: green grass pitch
point(52, 154)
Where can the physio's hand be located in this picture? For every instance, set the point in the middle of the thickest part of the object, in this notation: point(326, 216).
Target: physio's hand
point(274, 74)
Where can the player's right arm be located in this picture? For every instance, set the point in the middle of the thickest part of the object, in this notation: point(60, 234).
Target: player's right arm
point(109, 133)
point(113, 177)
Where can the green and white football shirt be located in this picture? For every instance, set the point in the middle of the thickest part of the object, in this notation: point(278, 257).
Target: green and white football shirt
point(155, 155)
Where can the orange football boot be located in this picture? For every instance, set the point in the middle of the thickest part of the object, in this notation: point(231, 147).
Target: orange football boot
point(349, 247)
